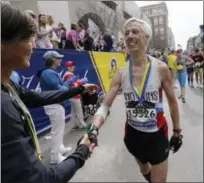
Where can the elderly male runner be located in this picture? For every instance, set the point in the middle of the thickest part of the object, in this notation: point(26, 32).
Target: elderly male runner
point(142, 79)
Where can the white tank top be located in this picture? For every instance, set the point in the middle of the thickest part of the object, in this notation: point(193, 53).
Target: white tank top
point(143, 115)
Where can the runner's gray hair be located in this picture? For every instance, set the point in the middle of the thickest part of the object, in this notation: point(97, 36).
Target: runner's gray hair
point(144, 25)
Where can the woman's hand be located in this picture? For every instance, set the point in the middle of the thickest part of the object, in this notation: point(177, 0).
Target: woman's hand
point(86, 142)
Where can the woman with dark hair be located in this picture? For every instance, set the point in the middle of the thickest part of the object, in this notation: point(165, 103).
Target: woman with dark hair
point(61, 33)
point(88, 41)
point(73, 38)
point(20, 149)
point(43, 32)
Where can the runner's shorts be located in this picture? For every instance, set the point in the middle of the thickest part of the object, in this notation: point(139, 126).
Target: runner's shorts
point(147, 147)
point(198, 70)
point(190, 70)
point(181, 76)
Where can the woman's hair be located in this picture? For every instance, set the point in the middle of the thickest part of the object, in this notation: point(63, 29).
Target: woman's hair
point(73, 26)
point(50, 20)
point(15, 24)
point(39, 21)
point(31, 13)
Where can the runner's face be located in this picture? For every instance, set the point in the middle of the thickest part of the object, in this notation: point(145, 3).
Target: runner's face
point(135, 37)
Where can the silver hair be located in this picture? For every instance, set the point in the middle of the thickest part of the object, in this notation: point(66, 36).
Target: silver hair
point(144, 26)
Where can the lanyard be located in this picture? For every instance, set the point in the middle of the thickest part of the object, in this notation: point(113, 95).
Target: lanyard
point(141, 92)
point(29, 120)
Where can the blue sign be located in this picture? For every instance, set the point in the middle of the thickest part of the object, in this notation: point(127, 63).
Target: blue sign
point(83, 67)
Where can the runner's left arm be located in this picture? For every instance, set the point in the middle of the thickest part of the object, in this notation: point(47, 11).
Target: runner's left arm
point(102, 112)
point(167, 85)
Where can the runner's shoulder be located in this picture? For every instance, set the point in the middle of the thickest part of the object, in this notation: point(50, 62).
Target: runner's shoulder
point(161, 65)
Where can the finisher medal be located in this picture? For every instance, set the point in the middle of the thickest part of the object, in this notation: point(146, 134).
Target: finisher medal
point(140, 109)
point(140, 95)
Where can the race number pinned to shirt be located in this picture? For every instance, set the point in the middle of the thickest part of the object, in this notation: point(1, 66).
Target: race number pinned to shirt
point(141, 116)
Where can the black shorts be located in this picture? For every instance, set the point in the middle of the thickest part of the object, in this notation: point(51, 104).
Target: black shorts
point(190, 70)
point(147, 147)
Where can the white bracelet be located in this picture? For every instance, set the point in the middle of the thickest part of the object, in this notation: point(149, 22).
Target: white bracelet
point(102, 111)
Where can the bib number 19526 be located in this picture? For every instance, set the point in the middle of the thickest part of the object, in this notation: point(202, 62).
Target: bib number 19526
point(141, 114)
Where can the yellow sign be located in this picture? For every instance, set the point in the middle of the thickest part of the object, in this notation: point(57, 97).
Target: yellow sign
point(106, 64)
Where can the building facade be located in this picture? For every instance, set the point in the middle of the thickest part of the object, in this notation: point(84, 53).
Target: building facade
point(158, 15)
point(196, 42)
point(171, 41)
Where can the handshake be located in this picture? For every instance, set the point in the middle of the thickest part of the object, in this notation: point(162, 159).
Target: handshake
point(89, 140)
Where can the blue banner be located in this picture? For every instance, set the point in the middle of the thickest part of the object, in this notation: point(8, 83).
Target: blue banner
point(83, 66)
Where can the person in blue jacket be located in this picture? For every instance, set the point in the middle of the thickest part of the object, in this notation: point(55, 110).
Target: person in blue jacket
point(51, 80)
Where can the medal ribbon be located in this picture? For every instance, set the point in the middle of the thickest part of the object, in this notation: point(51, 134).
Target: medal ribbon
point(140, 93)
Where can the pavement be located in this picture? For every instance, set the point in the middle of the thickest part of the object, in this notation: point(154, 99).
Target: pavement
point(111, 162)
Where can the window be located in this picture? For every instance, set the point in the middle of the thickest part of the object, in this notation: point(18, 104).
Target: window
point(162, 37)
point(156, 30)
point(161, 10)
point(154, 11)
point(161, 21)
point(156, 21)
point(161, 30)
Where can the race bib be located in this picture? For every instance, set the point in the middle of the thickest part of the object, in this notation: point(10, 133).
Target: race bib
point(141, 116)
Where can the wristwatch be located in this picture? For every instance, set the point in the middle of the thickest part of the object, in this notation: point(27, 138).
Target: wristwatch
point(92, 128)
point(177, 131)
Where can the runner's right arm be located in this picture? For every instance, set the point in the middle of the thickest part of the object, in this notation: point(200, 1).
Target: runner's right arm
point(102, 112)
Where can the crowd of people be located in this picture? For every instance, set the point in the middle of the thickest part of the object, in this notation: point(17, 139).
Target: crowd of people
point(77, 37)
point(184, 66)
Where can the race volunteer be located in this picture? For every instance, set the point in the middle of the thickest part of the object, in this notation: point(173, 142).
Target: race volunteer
point(143, 79)
point(20, 151)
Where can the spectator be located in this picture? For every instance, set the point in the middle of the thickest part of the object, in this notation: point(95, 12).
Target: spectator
point(43, 33)
point(73, 38)
point(163, 58)
point(88, 41)
point(61, 34)
point(108, 47)
point(53, 36)
point(20, 151)
point(100, 44)
point(34, 16)
point(50, 80)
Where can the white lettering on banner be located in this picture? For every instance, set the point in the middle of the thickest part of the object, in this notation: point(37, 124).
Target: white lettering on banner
point(27, 81)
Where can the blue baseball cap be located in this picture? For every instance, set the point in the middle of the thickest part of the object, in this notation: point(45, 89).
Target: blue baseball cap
point(50, 55)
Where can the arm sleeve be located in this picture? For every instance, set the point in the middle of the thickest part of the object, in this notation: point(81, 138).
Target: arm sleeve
point(24, 166)
point(33, 99)
point(54, 81)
